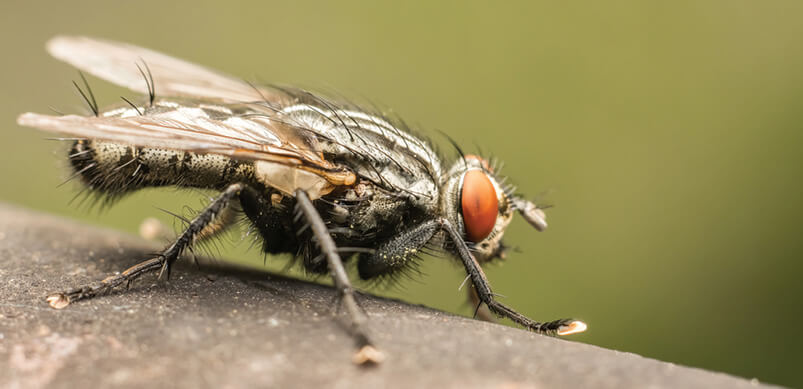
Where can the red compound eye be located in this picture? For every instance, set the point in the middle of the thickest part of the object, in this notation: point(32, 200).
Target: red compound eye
point(480, 205)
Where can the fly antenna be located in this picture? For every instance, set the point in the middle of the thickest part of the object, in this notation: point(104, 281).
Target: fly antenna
point(89, 97)
point(531, 212)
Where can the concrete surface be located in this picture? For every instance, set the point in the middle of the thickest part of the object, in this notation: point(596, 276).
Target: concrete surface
point(246, 329)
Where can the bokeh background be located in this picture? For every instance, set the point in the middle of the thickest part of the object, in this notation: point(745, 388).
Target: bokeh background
point(667, 134)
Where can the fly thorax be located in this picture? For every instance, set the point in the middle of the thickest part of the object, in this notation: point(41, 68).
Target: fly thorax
point(371, 147)
point(477, 205)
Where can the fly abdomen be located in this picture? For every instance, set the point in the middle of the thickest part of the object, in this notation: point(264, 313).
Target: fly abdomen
point(115, 168)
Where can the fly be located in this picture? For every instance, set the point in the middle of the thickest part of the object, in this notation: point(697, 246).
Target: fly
point(326, 182)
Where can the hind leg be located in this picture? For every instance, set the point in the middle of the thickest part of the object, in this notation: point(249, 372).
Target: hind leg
point(210, 217)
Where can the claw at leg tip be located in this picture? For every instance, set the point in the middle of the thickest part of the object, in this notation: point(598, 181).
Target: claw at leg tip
point(574, 327)
point(58, 301)
point(368, 355)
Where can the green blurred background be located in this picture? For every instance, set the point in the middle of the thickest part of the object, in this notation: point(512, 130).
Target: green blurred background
point(667, 134)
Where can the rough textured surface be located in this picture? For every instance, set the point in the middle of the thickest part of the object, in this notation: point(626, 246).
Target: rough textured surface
point(242, 329)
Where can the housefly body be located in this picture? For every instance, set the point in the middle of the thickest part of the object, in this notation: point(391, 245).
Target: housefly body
point(324, 181)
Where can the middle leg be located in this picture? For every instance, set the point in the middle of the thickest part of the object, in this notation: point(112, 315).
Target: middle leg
point(367, 352)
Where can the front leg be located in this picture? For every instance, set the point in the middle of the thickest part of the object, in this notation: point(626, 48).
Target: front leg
point(483, 288)
point(396, 254)
point(367, 352)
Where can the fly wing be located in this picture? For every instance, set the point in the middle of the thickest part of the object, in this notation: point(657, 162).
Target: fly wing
point(153, 131)
point(284, 157)
point(126, 65)
point(278, 163)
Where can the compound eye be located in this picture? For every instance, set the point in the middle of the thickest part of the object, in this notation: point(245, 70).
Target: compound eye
point(480, 205)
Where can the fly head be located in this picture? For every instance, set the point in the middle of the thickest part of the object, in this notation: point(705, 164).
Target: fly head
point(480, 207)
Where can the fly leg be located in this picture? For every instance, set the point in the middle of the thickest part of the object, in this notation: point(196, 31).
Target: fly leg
point(367, 352)
point(483, 289)
point(480, 312)
point(201, 224)
point(396, 253)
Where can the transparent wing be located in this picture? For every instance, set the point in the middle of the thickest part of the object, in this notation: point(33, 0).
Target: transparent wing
point(124, 64)
point(259, 137)
point(189, 131)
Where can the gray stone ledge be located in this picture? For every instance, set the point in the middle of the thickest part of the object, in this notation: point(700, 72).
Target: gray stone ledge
point(249, 329)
